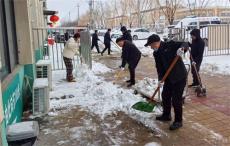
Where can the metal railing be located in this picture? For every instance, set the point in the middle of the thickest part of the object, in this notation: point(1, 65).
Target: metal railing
point(216, 38)
point(49, 44)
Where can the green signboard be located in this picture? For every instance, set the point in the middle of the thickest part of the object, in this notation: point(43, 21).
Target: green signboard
point(12, 99)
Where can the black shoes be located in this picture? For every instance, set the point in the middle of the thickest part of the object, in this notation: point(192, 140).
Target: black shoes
point(128, 81)
point(193, 85)
point(130, 84)
point(175, 126)
point(163, 118)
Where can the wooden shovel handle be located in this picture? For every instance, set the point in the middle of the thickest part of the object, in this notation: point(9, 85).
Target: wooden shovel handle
point(166, 75)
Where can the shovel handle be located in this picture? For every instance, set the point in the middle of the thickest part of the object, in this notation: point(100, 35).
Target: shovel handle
point(116, 45)
point(166, 75)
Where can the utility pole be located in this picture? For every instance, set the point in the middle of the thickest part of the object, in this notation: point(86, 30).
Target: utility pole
point(91, 14)
point(78, 17)
point(139, 13)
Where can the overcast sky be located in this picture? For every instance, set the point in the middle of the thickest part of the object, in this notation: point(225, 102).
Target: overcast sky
point(64, 7)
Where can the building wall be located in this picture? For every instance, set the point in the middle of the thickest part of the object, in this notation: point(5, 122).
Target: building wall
point(28, 14)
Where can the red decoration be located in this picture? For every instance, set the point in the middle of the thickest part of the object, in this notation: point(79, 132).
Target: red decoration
point(51, 25)
point(54, 18)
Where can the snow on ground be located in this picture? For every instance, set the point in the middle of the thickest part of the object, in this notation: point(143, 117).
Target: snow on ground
point(95, 95)
point(216, 64)
point(99, 68)
point(152, 144)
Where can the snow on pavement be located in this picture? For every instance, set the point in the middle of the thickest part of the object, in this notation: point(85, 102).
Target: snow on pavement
point(95, 95)
point(216, 64)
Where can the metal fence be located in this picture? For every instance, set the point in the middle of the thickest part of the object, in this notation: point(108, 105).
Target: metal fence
point(49, 44)
point(216, 37)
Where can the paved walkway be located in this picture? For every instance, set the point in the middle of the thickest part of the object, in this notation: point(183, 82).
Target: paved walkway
point(206, 120)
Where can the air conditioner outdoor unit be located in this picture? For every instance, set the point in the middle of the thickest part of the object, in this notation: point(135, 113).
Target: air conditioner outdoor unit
point(43, 70)
point(40, 96)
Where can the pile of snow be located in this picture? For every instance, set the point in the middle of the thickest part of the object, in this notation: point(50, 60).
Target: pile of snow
point(216, 65)
point(94, 94)
point(152, 144)
point(147, 87)
point(99, 68)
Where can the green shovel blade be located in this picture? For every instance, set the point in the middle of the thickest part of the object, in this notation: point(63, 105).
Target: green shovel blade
point(144, 106)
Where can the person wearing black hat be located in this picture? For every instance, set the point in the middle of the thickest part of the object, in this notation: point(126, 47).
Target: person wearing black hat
point(107, 42)
point(197, 51)
point(126, 34)
point(95, 40)
point(173, 87)
point(130, 55)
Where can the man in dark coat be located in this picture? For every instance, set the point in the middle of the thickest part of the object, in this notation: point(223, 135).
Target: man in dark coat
point(126, 34)
point(197, 51)
point(95, 40)
point(130, 55)
point(107, 42)
point(164, 53)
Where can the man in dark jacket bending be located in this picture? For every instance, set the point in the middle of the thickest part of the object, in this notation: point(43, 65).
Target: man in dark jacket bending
point(107, 42)
point(197, 51)
point(95, 40)
point(130, 55)
point(164, 53)
point(126, 34)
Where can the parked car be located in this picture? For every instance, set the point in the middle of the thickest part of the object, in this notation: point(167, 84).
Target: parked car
point(140, 33)
point(59, 38)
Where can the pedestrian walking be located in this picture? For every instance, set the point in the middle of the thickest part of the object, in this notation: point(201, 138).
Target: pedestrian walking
point(71, 49)
point(173, 87)
point(130, 55)
point(95, 40)
point(66, 36)
point(107, 42)
point(126, 34)
point(197, 51)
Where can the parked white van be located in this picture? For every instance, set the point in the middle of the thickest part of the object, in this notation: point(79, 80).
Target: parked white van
point(190, 23)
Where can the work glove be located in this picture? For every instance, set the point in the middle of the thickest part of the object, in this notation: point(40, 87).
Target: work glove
point(193, 63)
point(160, 84)
point(180, 52)
point(121, 68)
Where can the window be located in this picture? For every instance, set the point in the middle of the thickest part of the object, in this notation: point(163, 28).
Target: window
point(138, 30)
point(215, 22)
point(144, 30)
point(204, 23)
point(8, 41)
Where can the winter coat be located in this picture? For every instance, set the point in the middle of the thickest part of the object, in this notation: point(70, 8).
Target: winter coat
point(127, 36)
point(107, 38)
point(164, 57)
point(71, 48)
point(130, 54)
point(197, 47)
point(95, 38)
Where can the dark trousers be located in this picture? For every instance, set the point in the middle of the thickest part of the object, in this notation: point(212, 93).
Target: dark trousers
point(97, 47)
point(107, 46)
point(69, 68)
point(194, 75)
point(132, 68)
point(172, 95)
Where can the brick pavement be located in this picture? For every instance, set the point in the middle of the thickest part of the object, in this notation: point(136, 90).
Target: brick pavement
point(206, 120)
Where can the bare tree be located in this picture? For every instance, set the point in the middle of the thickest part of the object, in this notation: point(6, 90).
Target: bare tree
point(169, 8)
point(193, 5)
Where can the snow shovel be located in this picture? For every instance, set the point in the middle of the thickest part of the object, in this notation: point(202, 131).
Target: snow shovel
point(200, 90)
point(149, 106)
point(116, 45)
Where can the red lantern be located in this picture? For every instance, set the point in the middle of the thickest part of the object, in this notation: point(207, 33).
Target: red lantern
point(54, 18)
